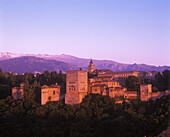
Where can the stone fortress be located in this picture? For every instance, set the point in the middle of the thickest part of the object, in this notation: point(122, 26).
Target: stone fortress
point(103, 82)
point(18, 92)
point(76, 86)
point(51, 93)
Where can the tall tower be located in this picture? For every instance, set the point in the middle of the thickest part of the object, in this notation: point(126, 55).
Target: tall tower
point(76, 86)
point(91, 67)
point(145, 92)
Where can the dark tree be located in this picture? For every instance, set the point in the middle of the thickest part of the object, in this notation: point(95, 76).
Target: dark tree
point(132, 83)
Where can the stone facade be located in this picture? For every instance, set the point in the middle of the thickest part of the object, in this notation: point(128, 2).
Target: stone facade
point(99, 89)
point(18, 92)
point(98, 79)
point(108, 83)
point(76, 86)
point(122, 75)
point(50, 93)
point(145, 92)
point(117, 75)
point(108, 87)
point(131, 95)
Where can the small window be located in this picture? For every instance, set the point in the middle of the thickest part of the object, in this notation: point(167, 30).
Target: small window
point(53, 92)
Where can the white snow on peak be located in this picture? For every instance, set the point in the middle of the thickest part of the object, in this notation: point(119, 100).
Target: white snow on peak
point(8, 55)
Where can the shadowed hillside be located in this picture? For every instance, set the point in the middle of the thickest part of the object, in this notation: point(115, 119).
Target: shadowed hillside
point(34, 64)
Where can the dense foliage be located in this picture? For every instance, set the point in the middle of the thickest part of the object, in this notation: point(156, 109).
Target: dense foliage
point(8, 80)
point(160, 82)
point(96, 116)
point(132, 83)
point(33, 82)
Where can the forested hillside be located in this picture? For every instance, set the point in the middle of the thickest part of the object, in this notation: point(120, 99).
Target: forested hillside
point(96, 116)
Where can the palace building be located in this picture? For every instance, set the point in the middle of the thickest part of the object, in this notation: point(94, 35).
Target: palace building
point(103, 82)
point(51, 93)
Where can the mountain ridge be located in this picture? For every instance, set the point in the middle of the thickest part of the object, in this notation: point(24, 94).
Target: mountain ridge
point(34, 64)
point(83, 63)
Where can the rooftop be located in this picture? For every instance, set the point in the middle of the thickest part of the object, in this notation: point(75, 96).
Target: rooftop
point(51, 86)
point(105, 81)
point(76, 71)
point(99, 85)
point(102, 77)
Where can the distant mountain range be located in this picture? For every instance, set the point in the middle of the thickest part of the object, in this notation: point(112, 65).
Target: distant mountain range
point(21, 63)
point(34, 65)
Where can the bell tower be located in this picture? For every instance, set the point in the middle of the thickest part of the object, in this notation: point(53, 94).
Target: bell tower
point(91, 67)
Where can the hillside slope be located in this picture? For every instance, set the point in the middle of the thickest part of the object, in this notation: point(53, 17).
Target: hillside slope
point(34, 64)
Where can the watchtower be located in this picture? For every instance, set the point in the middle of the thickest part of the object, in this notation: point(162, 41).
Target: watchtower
point(145, 92)
point(76, 86)
point(91, 67)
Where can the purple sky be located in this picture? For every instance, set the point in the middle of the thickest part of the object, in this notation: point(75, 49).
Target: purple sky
point(126, 31)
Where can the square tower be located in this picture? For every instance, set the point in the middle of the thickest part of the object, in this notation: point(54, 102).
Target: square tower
point(76, 86)
point(145, 92)
point(50, 93)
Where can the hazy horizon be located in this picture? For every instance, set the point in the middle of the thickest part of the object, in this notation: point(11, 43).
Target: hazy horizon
point(83, 58)
point(123, 31)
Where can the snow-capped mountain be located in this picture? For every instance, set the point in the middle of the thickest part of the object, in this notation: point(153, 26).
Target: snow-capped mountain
point(75, 61)
point(7, 55)
point(80, 62)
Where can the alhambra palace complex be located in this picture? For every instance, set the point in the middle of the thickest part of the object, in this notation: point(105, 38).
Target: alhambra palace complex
point(105, 82)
